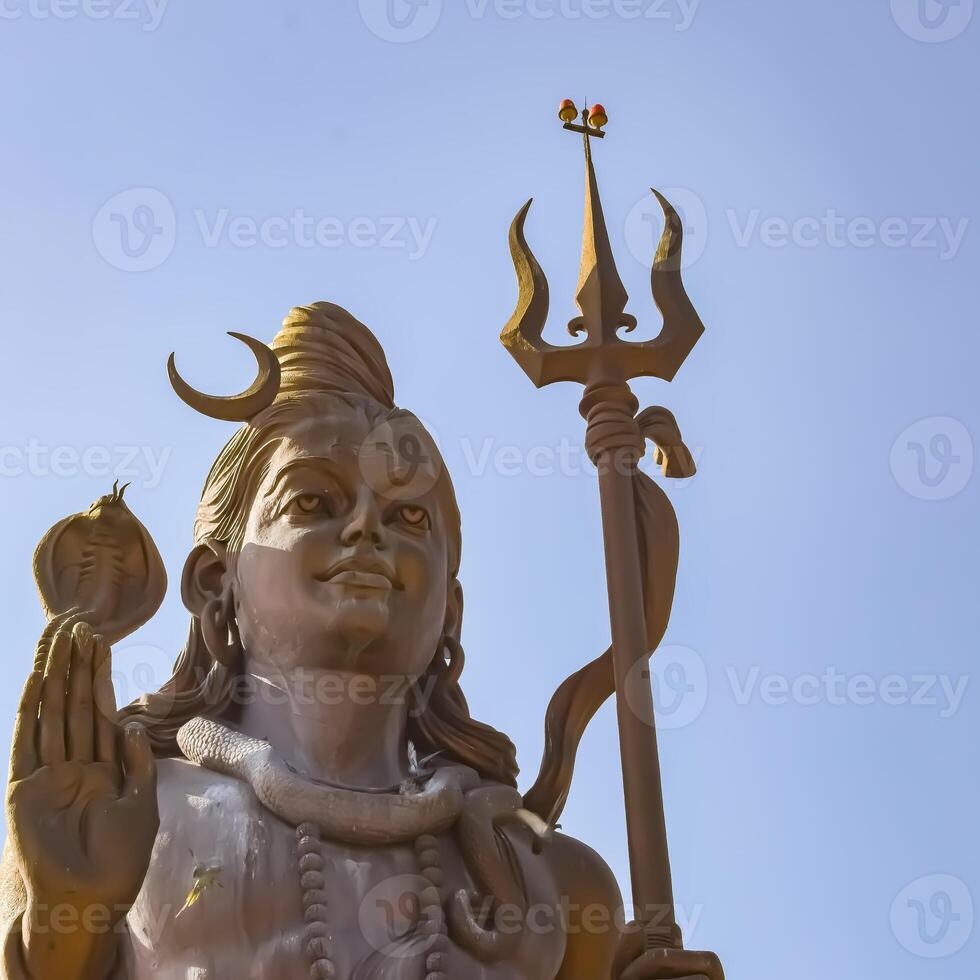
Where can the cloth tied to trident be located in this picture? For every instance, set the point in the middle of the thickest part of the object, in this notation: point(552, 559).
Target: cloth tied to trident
point(605, 364)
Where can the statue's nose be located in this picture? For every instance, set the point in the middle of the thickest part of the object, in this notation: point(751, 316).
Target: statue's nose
point(365, 525)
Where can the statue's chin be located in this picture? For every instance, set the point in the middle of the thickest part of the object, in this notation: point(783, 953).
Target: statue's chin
point(358, 625)
point(363, 615)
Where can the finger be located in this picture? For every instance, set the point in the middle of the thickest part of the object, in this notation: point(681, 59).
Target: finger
point(105, 703)
point(80, 729)
point(141, 768)
point(675, 964)
point(52, 712)
point(23, 751)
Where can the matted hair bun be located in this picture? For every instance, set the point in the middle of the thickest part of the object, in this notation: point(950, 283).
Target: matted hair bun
point(323, 348)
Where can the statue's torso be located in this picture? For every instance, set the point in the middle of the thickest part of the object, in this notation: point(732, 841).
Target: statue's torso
point(248, 923)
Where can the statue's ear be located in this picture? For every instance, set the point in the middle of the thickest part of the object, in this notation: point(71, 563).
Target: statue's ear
point(454, 610)
point(203, 578)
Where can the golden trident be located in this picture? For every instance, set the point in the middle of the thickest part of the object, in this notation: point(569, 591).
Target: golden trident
point(605, 364)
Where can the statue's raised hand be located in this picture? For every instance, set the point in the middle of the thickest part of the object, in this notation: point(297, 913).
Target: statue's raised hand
point(81, 803)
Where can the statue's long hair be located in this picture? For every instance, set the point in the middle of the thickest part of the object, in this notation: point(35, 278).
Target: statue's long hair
point(439, 719)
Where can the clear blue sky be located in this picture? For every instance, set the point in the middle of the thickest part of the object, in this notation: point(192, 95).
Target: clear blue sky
point(821, 759)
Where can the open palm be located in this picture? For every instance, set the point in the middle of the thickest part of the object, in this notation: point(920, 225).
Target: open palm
point(82, 794)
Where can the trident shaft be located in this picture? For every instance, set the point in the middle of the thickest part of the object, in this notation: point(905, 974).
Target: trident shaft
point(605, 364)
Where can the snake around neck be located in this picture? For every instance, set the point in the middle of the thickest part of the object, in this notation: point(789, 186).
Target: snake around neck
point(342, 814)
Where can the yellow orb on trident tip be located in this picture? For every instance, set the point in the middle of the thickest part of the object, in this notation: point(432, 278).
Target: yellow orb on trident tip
point(567, 111)
point(597, 116)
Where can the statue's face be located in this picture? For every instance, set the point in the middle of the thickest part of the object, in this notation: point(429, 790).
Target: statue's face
point(337, 570)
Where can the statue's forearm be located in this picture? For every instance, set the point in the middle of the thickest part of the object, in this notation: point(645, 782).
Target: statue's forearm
point(41, 947)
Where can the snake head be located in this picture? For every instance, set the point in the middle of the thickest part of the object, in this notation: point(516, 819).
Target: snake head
point(103, 564)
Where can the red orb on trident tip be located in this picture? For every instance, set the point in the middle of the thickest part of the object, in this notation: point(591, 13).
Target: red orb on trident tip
point(567, 111)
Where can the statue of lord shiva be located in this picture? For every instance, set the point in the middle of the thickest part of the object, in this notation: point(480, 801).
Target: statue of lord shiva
point(307, 796)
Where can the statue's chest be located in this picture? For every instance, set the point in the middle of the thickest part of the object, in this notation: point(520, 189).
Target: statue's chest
point(233, 892)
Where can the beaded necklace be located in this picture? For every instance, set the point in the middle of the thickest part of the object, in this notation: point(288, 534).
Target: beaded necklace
point(316, 935)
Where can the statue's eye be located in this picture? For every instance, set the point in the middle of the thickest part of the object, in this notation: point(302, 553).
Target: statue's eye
point(414, 517)
point(310, 503)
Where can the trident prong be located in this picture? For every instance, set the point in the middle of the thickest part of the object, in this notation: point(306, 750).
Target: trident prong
point(602, 299)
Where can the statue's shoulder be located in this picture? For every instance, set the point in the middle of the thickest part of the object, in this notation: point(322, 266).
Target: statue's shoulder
point(581, 872)
point(592, 905)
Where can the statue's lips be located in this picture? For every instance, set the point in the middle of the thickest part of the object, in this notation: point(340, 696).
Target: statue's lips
point(364, 573)
point(364, 580)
